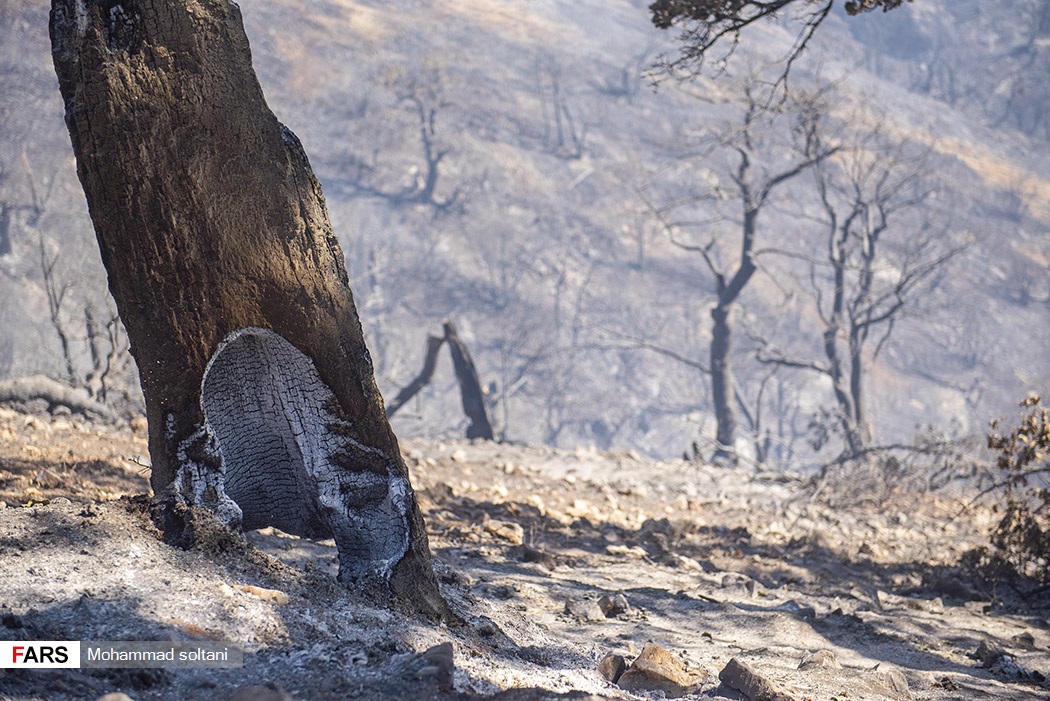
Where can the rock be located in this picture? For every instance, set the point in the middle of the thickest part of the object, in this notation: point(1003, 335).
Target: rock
point(270, 692)
point(626, 551)
point(584, 609)
point(891, 684)
point(612, 605)
point(507, 530)
point(953, 587)
point(274, 595)
point(821, 659)
point(138, 424)
point(988, 652)
point(796, 609)
point(486, 628)
point(657, 670)
point(440, 666)
point(612, 667)
point(540, 557)
point(1024, 640)
point(115, 697)
point(739, 676)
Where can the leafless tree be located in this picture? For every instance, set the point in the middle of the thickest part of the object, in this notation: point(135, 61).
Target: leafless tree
point(31, 211)
point(757, 173)
point(561, 133)
point(107, 344)
point(422, 96)
point(878, 264)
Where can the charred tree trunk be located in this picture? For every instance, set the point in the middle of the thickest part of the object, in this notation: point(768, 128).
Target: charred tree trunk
point(260, 394)
point(469, 386)
point(480, 426)
point(722, 385)
point(434, 344)
point(5, 229)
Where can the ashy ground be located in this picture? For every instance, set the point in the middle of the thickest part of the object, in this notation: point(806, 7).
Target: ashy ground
point(712, 564)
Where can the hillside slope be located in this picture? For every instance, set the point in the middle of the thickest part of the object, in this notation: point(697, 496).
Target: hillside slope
point(538, 235)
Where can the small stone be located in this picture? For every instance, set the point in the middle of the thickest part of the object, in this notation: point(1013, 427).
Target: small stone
point(798, 610)
point(988, 652)
point(612, 605)
point(115, 697)
point(507, 530)
point(612, 667)
point(486, 628)
point(656, 669)
point(632, 552)
point(540, 557)
point(1025, 640)
point(270, 692)
point(440, 666)
point(821, 659)
point(276, 596)
point(584, 609)
point(891, 684)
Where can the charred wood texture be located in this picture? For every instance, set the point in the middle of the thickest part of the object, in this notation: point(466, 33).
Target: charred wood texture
point(410, 390)
point(469, 386)
point(479, 424)
point(259, 389)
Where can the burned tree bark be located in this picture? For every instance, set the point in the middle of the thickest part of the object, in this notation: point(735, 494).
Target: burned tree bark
point(434, 344)
point(469, 386)
point(479, 426)
point(259, 389)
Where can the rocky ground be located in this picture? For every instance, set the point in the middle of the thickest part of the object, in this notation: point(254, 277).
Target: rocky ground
point(564, 567)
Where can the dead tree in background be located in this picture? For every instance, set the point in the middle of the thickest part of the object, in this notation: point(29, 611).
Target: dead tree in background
point(751, 184)
point(423, 94)
point(874, 269)
point(473, 398)
point(566, 140)
point(410, 390)
point(259, 389)
point(469, 386)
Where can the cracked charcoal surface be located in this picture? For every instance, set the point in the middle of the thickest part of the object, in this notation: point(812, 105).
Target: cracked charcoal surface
point(291, 463)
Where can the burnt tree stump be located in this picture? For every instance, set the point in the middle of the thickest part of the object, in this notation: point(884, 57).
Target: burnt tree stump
point(260, 394)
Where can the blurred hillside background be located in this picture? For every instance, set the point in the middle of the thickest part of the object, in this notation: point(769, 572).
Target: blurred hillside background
point(508, 165)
